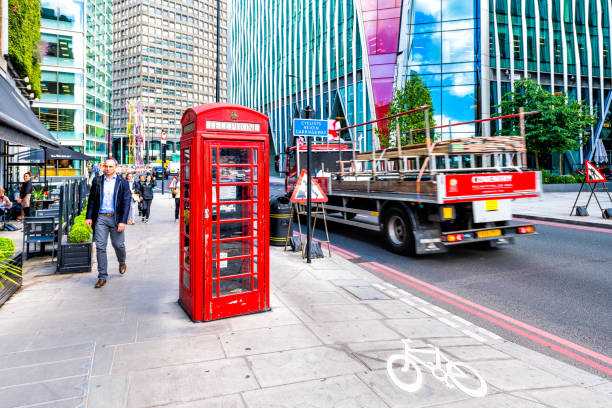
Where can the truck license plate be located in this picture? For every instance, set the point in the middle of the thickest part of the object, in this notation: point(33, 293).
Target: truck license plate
point(489, 233)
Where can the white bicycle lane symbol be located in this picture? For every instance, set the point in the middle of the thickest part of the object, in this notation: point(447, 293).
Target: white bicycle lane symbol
point(443, 369)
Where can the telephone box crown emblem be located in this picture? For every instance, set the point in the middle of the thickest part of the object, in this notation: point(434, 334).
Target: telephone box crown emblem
point(234, 115)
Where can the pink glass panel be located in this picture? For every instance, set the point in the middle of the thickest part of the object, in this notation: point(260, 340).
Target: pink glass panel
point(381, 30)
point(368, 5)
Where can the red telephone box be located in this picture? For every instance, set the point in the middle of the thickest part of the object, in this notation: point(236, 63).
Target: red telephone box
point(224, 248)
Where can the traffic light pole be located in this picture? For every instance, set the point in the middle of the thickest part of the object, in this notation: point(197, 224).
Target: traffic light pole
point(163, 161)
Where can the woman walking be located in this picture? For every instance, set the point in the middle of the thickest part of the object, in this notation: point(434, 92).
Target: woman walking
point(140, 182)
point(134, 191)
point(146, 197)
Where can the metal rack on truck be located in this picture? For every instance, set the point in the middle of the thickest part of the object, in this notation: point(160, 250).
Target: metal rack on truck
point(425, 197)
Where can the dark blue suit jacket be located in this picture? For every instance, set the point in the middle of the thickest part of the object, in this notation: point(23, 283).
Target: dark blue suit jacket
point(123, 198)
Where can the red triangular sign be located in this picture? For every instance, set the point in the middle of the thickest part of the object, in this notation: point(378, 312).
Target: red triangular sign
point(592, 174)
point(301, 190)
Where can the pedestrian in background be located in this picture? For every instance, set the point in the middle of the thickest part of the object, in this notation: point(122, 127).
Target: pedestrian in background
point(25, 195)
point(141, 180)
point(177, 201)
point(146, 197)
point(134, 198)
point(108, 207)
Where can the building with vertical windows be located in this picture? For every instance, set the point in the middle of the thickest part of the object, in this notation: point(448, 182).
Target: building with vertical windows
point(165, 59)
point(76, 73)
point(346, 57)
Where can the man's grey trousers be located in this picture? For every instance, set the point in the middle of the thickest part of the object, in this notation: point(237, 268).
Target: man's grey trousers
point(106, 225)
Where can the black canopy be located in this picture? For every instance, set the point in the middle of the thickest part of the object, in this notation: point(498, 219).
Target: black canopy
point(65, 153)
point(18, 124)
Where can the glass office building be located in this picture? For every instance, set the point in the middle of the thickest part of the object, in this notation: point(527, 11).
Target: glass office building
point(76, 73)
point(346, 57)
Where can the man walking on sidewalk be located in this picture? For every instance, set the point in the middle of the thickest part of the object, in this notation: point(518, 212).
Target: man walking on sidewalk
point(107, 212)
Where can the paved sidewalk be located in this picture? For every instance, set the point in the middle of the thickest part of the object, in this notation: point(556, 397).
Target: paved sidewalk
point(555, 207)
point(324, 344)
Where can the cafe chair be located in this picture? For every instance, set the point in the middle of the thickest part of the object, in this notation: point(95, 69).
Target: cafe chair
point(38, 230)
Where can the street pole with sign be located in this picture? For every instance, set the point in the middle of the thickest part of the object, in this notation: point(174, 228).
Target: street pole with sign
point(162, 147)
point(307, 112)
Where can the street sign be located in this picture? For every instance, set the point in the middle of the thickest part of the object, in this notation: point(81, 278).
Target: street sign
point(173, 183)
point(301, 190)
point(164, 136)
point(310, 127)
point(333, 134)
point(592, 174)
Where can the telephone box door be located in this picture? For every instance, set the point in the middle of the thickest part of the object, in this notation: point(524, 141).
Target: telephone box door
point(234, 211)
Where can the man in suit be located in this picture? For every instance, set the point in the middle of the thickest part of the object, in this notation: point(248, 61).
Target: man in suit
point(107, 212)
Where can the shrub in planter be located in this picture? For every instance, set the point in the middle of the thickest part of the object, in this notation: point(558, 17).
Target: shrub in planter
point(8, 270)
point(7, 248)
point(79, 234)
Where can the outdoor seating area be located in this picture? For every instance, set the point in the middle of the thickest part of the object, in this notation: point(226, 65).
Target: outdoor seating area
point(51, 219)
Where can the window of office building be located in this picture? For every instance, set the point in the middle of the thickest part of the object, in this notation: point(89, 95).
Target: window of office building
point(62, 14)
point(61, 87)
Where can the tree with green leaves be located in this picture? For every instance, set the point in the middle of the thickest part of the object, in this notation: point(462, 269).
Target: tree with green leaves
point(413, 95)
point(559, 126)
point(24, 40)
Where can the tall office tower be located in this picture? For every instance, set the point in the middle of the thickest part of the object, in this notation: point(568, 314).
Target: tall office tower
point(76, 73)
point(346, 58)
point(165, 59)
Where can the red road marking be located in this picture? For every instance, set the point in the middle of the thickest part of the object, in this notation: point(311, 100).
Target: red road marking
point(558, 224)
point(471, 307)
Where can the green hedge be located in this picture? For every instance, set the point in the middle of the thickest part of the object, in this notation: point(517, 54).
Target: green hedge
point(24, 40)
point(548, 178)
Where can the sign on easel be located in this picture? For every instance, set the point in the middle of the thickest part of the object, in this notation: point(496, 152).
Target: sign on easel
point(301, 190)
point(593, 175)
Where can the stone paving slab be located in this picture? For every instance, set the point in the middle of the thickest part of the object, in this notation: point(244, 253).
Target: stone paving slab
point(189, 382)
point(345, 391)
point(294, 366)
point(131, 345)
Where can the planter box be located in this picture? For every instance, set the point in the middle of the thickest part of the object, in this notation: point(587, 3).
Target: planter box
point(74, 258)
point(10, 287)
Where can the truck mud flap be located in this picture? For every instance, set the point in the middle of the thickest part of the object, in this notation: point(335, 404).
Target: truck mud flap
point(429, 242)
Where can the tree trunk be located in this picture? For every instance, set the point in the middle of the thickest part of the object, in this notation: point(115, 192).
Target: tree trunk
point(537, 160)
point(560, 163)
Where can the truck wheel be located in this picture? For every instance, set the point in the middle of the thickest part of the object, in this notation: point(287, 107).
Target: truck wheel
point(398, 232)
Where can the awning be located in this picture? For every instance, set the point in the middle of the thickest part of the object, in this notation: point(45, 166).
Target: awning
point(60, 153)
point(18, 124)
point(65, 153)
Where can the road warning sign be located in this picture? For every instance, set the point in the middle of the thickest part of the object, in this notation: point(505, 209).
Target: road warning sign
point(173, 183)
point(592, 174)
point(301, 190)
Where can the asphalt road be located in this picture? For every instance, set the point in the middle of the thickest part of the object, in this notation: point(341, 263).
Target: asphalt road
point(559, 281)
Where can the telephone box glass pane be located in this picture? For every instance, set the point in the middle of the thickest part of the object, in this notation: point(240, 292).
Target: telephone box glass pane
point(214, 175)
point(234, 266)
point(186, 187)
point(234, 211)
point(186, 172)
point(233, 230)
point(186, 155)
point(234, 193)
point(235, 175)
point(186, 263)
point(234, 286)
point(234, 156)
point(254, 156)
point(214, 156)
point(231, 249)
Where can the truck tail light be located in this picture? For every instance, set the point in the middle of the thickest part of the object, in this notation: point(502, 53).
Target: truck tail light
point(526, 230)
point(454, 237)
